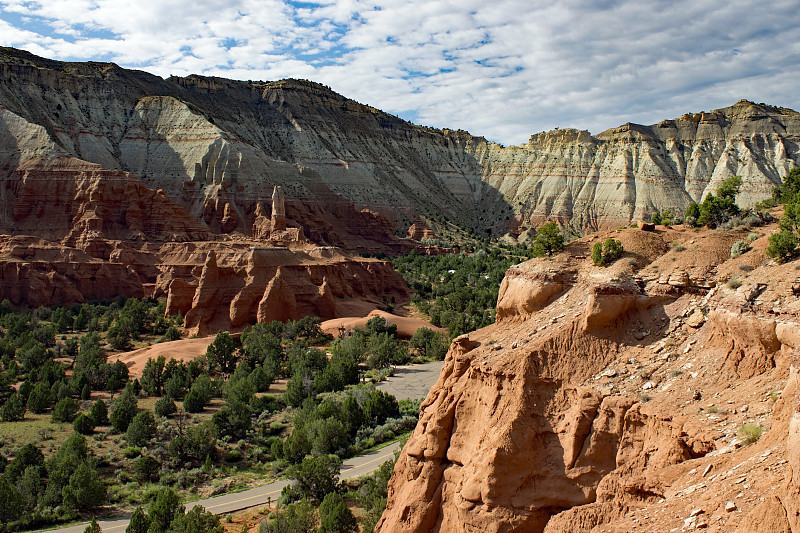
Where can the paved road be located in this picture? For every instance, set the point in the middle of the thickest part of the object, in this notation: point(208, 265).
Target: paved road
point(352, 468)
point(408, 382)
point(412, 381)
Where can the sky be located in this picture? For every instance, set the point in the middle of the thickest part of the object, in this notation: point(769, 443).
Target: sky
point(503, 69)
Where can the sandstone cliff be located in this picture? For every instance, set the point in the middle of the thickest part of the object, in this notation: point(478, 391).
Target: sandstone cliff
point(216, 147)
point(608, 399)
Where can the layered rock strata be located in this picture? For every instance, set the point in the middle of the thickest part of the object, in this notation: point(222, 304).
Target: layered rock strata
point(218, 147)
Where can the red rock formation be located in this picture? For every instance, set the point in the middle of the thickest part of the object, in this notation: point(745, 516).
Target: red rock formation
point(582, 409)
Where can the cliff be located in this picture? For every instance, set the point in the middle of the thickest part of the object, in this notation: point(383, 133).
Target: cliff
point(609, 399)
point(216, 147)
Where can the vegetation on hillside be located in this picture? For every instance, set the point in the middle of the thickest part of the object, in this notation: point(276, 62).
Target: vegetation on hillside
point(784, 244)
point(107, 439)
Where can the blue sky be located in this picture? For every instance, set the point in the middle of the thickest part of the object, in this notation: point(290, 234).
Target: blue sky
point(503, 69)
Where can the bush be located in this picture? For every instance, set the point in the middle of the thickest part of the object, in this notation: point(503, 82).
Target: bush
point(146, 469)
point(65, 410)
point(738, 248)
point(749, 433)
point(782, 245)
point(607, 252)
point(656, 218)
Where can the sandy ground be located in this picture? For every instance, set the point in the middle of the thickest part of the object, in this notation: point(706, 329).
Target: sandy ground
point(406, 326)
point(185, 350)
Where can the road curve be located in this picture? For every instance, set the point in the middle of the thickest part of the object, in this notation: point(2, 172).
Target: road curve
point(227, 503)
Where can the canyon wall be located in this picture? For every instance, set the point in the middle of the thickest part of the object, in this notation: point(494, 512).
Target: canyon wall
point(216, 147)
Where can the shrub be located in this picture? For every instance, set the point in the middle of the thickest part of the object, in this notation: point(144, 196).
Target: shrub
point(656, 218)
point(733, 283)
point(749, 433)
point(146, 468)
point(738, 248)
point(782, 245)
point(607, 252)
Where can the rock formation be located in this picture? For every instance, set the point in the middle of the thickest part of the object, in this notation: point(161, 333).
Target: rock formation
point(218, 147)
point(597, 402)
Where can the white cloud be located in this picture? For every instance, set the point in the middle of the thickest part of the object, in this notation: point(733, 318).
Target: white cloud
point(503, 69)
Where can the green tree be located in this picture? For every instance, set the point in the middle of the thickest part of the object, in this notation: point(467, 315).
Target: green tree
point(139, 522)
point(296, 518)
point(335, 517)
point(429, 344)
point(716, 210)
point(99, 413)
point(11, 504)
point(28, 455)
point(220, 353)
point(549, 240)
point(14, 409)
point(164, 509)
point(164, 407)
point(40, 398)
point(315, 477)
point(123, 411)
point(141, 429)
point(152, 376)
point(197, 520)
point(146, 469)
point(65, 410)
point(83, 424)
point(85, 490)
point(93, 527)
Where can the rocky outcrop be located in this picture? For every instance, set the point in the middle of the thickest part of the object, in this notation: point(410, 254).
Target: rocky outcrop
point(217, 147)
point(597, 402)
point(239, 285)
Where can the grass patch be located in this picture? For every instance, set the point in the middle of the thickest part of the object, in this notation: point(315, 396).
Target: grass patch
point(749, 433)
point(733, 283)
